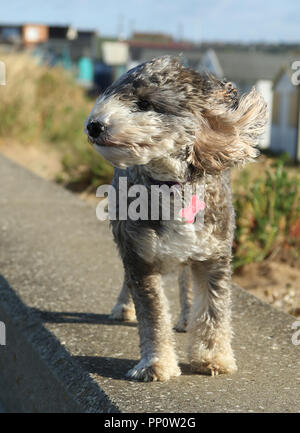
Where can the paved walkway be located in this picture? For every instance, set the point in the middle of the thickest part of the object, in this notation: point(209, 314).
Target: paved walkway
point(60, 276)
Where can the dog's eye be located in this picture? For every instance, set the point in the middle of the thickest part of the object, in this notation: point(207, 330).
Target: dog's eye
point(143, 105)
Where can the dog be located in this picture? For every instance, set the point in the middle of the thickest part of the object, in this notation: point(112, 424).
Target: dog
point(164, 123)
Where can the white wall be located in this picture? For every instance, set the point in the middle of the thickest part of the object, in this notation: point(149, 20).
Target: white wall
point(264, 87)
point(284, 136)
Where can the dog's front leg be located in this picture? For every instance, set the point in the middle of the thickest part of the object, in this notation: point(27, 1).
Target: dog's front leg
point(186, 297)
point(158, 358)
point(209, 324)
point(124, 308)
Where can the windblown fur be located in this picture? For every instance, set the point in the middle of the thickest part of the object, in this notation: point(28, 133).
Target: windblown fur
point(165, 122)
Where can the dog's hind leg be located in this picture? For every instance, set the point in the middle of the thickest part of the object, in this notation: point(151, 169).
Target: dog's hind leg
point(124, 308)
point(157, 345)
point(186, 297)
point(210, 323)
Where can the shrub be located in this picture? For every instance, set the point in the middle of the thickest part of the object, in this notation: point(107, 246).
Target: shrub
point(39, 104)
point(267, 216)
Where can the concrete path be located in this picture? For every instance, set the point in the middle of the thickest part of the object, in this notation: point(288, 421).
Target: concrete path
point(60, 276)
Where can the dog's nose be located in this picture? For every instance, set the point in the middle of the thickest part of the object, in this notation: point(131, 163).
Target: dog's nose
point(95, 128)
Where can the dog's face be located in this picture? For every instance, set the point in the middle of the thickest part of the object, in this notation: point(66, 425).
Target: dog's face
point(161, 110)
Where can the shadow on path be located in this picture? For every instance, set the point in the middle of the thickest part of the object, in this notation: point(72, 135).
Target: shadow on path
point(76, 317)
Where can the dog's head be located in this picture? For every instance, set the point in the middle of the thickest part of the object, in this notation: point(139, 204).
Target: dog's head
point(161, 110)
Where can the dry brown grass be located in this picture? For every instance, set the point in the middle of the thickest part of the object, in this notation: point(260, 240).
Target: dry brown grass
point(44, 105)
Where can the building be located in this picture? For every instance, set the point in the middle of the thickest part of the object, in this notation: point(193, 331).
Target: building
point(57, 41)
point(66, 39)
point(33, 34)
point(145, 46)
point(286, 113)
point(247, 69)
point(243, 67)
point(10, 35)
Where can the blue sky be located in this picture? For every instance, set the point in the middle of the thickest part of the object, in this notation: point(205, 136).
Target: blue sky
point(229, 20)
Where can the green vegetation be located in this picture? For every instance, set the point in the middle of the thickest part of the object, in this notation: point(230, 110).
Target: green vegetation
point(267, 216)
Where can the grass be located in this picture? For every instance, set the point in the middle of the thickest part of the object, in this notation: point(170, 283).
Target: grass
point(39, 104)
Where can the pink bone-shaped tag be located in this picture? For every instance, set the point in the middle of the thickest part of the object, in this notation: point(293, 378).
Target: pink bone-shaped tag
point(189, 213)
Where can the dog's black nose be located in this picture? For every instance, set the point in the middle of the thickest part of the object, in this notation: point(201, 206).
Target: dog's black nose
point(95, 128)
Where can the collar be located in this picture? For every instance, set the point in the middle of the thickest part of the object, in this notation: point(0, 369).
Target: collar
point(169, 183)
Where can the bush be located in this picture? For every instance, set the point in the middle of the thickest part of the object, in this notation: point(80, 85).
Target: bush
point(267, 216)
point(39, 104)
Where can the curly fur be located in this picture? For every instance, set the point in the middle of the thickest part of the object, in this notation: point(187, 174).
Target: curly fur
point(166, 122)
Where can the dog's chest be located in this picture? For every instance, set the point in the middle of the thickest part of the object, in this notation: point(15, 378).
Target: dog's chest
point(180, 242)
point(180, 236)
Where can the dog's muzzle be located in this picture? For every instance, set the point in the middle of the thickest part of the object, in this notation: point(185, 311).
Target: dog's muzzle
point(95, 128)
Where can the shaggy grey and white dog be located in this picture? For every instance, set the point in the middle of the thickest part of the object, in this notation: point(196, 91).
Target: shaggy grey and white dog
point(164, 123)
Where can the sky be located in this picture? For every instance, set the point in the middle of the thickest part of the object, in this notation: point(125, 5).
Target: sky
point(196, 20)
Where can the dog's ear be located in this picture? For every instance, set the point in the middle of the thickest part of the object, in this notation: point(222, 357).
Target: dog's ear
point(227, 135)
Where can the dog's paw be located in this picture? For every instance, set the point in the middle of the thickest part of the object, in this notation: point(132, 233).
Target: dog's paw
point(123, 313)
point(181, 325)
point(215, 365)
point(154, 371)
